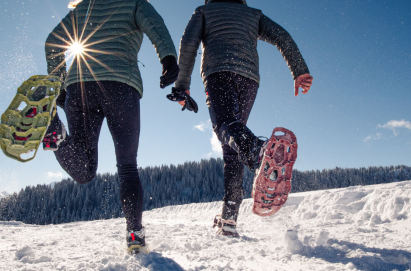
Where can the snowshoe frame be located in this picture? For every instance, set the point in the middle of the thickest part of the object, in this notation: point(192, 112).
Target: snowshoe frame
point(271, 194)
point(22, 129)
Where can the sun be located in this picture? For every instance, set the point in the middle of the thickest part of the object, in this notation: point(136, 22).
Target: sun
point(76, 48)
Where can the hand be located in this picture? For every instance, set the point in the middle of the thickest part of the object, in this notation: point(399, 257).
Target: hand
point(303, 81)
point(182, 103)
point(170, 71)
point(61, 99)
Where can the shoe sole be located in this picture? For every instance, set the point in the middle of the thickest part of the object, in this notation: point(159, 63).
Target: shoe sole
point(271, 194)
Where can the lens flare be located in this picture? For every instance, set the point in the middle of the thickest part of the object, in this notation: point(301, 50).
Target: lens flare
point(73, 4)
point(76, 48)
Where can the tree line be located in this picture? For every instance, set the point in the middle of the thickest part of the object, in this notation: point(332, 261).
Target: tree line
point(192, 182)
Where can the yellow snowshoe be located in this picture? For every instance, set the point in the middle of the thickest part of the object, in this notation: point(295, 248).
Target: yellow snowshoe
point(25, 122)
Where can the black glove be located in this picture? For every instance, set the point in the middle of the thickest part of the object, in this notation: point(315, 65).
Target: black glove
point(170, 71)
point(61, 99)
point(179, 95)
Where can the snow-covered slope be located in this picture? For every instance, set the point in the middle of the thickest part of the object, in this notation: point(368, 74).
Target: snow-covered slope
point(357, 228)
point(3, 194)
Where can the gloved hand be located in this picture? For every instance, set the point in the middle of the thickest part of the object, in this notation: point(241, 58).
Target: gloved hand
point(61, 99)
point(179, 95)
point(170, 71)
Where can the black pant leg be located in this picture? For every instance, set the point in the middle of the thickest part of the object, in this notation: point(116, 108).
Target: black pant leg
point(78, 154)
point(230, 99)
point(233, 167)
point(224, 107)
point(121, 106)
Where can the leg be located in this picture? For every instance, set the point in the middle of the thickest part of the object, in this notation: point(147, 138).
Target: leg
point(226, 103)
point(233, 183)
point(77, 154)
point(121, 106)
point(246, 91)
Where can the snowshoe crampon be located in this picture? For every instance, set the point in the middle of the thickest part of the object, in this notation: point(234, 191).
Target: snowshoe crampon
point(272, 182)
point(24, 124)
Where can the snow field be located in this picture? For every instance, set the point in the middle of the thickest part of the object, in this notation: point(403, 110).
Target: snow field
point(356, 228)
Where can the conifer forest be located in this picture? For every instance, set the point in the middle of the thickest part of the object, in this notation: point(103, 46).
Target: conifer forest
point(192, 182)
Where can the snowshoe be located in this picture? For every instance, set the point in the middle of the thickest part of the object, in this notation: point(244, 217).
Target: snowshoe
point(225, 227)
point(136, 242)
point(25, 122)
point(272, 182)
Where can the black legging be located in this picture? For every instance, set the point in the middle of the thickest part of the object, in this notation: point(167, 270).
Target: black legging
point(86, 106)
point(230, 98)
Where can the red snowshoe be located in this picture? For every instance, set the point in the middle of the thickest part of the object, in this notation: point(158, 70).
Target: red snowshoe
point(272, 181)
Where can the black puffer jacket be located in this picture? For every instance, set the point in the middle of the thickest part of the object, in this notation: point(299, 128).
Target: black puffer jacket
point(229, 32)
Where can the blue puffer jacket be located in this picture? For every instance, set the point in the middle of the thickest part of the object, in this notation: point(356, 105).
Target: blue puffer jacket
point(113, 32)
point(229, 32)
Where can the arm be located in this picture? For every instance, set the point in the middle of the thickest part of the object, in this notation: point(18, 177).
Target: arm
point(274, 34)
point(188, 49)
point(56, 45)
point(151, 23)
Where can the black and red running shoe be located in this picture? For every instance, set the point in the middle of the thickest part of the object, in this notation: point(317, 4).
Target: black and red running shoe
point(55, 134)
point(136, 242)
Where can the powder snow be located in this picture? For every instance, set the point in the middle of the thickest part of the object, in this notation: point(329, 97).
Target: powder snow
point(355, 228)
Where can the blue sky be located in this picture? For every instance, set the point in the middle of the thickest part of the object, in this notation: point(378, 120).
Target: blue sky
point(357, 113)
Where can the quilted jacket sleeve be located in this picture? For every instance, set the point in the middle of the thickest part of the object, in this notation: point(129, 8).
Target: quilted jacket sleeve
point(151, 23)
point(273, 33)
point(188, 49)
point(56, 46)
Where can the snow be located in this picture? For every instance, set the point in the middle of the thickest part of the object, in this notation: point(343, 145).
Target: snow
point(356, 228)
point(4, 194)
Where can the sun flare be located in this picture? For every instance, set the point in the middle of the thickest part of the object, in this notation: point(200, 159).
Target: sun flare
point(76, 48)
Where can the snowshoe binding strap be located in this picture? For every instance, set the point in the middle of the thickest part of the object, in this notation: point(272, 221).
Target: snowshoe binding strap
point(272, 182)
point(179, 95)
point(25, 122)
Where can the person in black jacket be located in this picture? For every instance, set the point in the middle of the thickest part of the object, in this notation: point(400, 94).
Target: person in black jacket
point(229, 30)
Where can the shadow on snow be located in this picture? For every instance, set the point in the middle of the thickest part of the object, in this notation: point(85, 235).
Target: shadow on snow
point(380, 259)
point(156, 262)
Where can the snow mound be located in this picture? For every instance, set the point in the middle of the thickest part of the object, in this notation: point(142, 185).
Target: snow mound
point(356, 228)
point(25, 251)
point(363, 204)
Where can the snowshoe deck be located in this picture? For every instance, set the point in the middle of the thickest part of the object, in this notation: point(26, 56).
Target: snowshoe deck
point(272, 182)
point(24, 124)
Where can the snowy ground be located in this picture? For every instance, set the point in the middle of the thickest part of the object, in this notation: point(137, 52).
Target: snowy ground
point(357, 228)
